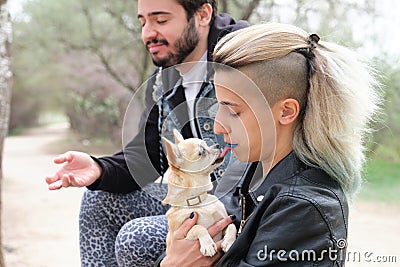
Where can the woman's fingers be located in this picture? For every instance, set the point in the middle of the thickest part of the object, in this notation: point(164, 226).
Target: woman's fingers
point(186, 226)
point(221, 225)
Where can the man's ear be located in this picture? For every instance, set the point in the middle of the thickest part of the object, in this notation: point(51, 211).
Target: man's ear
point(177, 136)
point(290, 110)
point(173, 154)
point(205, 13)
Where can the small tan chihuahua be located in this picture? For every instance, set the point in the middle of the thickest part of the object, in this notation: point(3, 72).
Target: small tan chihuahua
point(190, 163)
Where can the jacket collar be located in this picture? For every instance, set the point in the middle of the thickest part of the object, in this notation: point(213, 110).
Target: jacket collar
point(287, 167)
point(222, 25)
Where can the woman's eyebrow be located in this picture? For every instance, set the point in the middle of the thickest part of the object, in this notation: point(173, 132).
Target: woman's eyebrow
point(227, 103)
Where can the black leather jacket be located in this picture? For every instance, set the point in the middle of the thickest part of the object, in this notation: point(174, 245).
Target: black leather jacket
point(299, 218)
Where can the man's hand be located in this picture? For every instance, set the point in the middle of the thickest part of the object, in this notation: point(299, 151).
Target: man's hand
point(184, 252)
point(78, 170)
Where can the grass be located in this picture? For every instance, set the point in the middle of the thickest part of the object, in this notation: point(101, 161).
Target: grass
point(381, 182)
point(16, 131)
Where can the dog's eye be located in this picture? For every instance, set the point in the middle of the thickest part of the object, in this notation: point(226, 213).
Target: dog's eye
point(202, 152)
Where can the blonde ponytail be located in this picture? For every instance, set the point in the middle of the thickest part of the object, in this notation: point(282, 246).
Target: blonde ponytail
point(341, 100)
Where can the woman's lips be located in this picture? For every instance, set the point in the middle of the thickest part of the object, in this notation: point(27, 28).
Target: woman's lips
point(231, 145)
point(227, 148)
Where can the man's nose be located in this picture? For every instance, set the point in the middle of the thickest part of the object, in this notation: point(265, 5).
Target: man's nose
point(148, 33)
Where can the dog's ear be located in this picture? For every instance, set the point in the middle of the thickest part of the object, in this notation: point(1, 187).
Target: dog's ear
point(178, 137)
point(173, 154)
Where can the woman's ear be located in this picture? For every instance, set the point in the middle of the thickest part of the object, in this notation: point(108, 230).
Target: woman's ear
point(290, 110)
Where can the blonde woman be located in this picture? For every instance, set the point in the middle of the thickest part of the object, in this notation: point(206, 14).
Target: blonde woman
point(300, 106)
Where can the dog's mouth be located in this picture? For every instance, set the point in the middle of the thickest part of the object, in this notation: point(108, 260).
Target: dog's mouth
point(221, 156)
point(218, 160)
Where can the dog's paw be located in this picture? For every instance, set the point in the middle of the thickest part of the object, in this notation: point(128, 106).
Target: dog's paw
point(227, 243)
point(229, 237)
point(209, 249)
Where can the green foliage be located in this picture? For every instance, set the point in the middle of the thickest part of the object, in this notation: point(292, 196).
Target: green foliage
point(75, 46)
point(330, 19)
point(385, 141)
point(382, 181)
point(93, 117)
point(35, 88)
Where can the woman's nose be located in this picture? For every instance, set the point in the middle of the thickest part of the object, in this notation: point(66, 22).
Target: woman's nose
point(219, 125)
point(219, 128)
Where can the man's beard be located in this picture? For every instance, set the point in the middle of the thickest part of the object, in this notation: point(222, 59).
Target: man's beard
point(184, 45)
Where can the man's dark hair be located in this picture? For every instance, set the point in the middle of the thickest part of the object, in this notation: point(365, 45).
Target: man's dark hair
point(191, 7)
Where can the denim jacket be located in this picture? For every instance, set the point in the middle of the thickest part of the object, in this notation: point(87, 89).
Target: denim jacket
point(205, 109)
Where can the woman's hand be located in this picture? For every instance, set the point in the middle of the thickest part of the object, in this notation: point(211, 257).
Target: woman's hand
point(184, 252)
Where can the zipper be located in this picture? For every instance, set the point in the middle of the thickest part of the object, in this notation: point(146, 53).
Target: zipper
point(244, 219)
point(243, 208)
point(244, 192)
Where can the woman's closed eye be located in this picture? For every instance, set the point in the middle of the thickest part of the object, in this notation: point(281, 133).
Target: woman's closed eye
point(231, 108)
point(233, 111)
point(234, 114)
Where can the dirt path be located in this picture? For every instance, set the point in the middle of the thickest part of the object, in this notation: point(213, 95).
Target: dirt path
point(374, 233)
point(41, 228)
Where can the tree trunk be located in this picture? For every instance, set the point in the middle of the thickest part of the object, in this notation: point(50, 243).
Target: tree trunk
point(250, 9)
point(224, 6)
point(5, 91)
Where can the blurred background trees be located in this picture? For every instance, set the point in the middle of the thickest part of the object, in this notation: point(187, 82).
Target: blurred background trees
point(83, 59)
point(5, 87)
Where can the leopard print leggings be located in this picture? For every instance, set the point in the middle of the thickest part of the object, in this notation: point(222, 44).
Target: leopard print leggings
point(122, 229)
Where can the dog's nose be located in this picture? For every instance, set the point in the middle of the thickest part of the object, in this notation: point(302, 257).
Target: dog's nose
point(217, 146)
